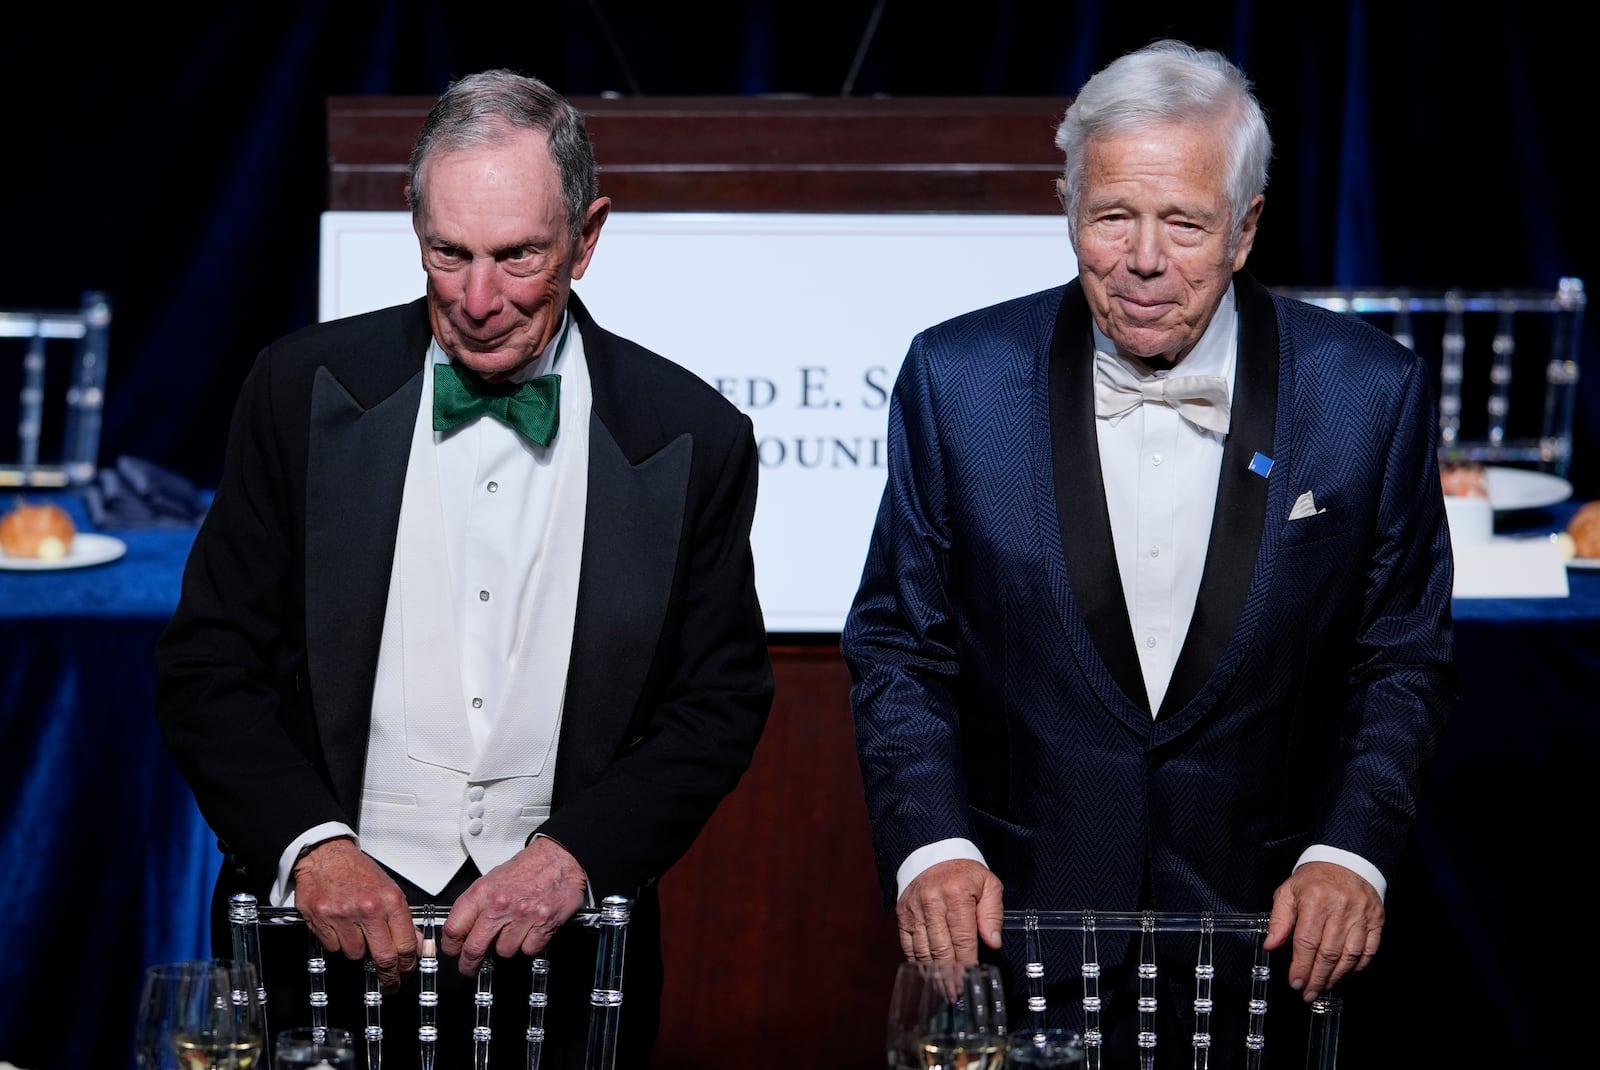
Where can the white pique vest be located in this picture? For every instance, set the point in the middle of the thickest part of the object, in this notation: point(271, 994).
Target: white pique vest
point(431, 799)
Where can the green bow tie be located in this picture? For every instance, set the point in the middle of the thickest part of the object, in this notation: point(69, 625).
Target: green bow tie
point(531, 409)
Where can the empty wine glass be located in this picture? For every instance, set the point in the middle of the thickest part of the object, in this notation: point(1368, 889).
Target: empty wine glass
point(204, 1014)
point(946, 1016)
point(314, 1048)
point(1044, 1049)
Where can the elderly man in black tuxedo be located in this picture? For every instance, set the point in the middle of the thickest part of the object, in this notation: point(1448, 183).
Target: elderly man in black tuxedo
point(472, 618)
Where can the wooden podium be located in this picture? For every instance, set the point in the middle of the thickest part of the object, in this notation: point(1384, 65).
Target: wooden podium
point(751, 154)
point(774, 932)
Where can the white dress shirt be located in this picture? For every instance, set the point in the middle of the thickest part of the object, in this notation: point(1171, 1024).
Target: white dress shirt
point(498, 497)
point(1160, 473)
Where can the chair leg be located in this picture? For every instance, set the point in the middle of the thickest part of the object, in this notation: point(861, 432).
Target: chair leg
point(605, 1014)
point(483, 1006)
point(317, 976)
point(1260, 974)
point(372, 1000)
point(1322, 1049)
point(1147, 993)
point(1093, 1038)
point(1205, 972)
point(538, 1000)
point(245, 931)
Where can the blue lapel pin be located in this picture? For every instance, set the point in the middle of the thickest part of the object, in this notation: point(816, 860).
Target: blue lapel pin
point(1261, 464)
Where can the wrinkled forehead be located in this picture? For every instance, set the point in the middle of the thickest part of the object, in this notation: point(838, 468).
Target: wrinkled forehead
point(499, 161)
point(1185, 167)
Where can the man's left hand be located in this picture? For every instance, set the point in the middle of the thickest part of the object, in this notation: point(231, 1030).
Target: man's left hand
point(516, 907)
point(1336, 919)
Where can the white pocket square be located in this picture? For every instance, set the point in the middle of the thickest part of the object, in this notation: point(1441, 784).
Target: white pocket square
point(1304, 506)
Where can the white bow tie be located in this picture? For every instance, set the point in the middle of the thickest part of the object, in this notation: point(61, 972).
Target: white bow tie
point(1200, 399)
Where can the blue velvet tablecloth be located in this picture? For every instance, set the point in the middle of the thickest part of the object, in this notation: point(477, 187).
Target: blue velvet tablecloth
point(105, 863)
point(1479, 963)
point(108, 867)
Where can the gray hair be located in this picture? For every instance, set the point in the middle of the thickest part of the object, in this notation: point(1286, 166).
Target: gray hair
point(1171, 82)
point(483, 109)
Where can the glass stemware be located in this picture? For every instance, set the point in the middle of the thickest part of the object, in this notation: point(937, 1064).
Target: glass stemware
point(946, 1016)
point(314, 1048)
point(204, 1014)
point(1044, 1049)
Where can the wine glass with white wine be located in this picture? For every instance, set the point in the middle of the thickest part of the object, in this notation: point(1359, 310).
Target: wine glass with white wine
point(203, 1014)
point(946, 1016)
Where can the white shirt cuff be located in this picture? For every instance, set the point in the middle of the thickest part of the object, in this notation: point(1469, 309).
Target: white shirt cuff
point(945, 850)
point(1321, 852)
point(282, 894)
point(931, 854)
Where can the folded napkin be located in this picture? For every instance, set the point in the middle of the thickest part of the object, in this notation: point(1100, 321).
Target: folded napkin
point(1510, 568)
point(140, 494)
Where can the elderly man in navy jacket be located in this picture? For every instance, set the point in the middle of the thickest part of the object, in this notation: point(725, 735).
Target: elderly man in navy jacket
point(1156, 611)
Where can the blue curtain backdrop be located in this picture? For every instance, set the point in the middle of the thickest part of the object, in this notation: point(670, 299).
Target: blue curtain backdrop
point(175, 157)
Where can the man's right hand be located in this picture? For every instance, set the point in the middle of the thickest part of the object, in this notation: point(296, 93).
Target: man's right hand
point(947, 908)
point(356, 909)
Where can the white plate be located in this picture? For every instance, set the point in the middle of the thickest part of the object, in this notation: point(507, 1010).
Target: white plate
point(1582, 564)
point(87, 549)
point(1519, 488)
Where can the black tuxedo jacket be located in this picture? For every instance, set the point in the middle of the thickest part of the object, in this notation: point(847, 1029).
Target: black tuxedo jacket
point(266, 672)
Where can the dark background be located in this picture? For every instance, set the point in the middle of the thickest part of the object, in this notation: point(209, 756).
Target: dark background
point(175, 157)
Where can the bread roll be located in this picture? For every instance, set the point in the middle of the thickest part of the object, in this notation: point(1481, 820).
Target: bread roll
point(1464, 479)
point(42, 531)
point(1585, 530)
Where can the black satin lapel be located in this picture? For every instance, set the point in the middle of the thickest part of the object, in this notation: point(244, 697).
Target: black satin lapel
point(1081, 497)
point(631, 530)
point(355, 480)
point(1241, 498)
